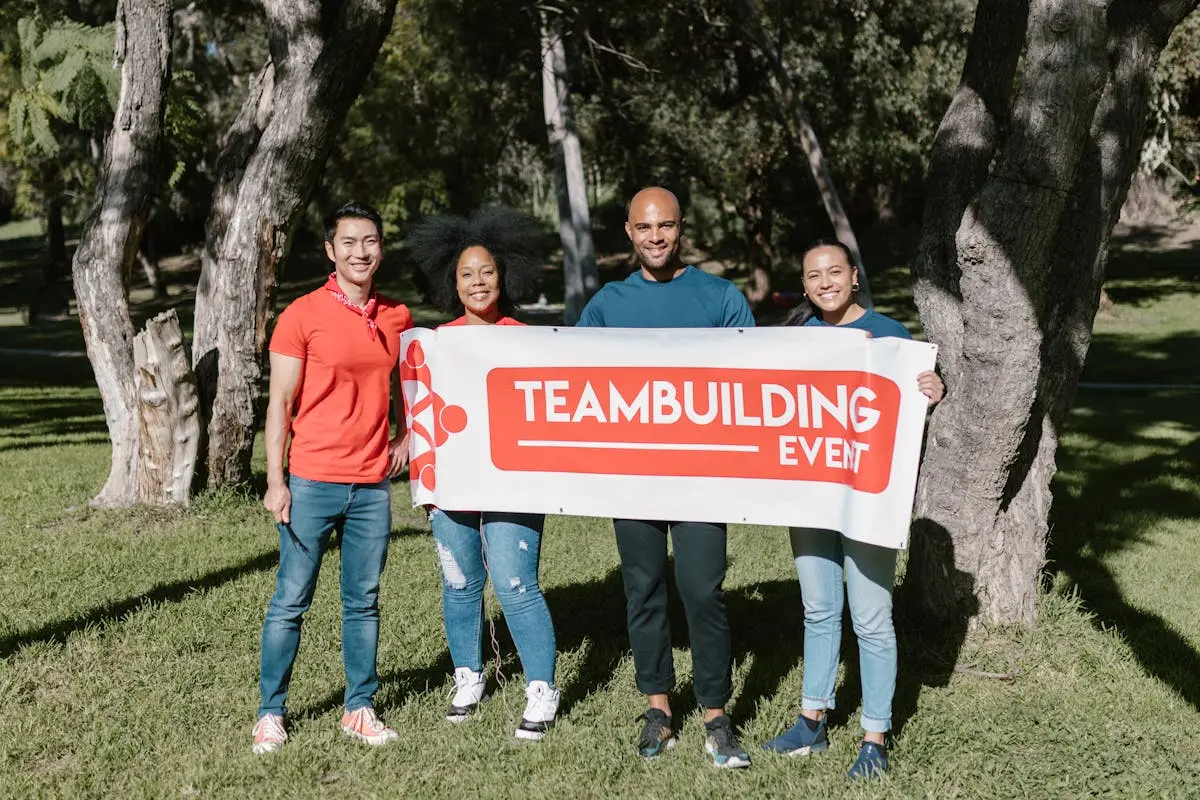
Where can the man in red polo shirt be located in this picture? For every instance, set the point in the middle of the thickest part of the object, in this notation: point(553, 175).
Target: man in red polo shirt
point(334, 354)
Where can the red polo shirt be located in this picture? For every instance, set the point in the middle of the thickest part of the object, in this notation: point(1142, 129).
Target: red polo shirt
point(340, 422)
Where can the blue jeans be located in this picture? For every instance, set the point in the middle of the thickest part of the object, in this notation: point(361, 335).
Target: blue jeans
point(511, 545)
point(869, 574)
point(363, 515)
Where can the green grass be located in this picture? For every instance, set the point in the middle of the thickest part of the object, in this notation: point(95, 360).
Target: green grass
point(129, 647)
point(129, 640)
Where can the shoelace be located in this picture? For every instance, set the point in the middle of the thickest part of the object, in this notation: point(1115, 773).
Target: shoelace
point(652, 731)
point(365, 719)
point(459, 683)
point(723, 734)
point(271, 727)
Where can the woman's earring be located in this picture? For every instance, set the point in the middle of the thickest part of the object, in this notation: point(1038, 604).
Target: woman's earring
point(854, 287)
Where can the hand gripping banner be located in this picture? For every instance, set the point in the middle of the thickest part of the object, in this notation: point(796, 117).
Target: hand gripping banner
point(811, 427)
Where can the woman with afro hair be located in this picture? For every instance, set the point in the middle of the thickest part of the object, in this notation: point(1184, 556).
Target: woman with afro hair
point(478, 268)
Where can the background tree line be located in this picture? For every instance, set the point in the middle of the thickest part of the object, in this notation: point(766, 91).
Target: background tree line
point(451, 117)
point(1007, 133)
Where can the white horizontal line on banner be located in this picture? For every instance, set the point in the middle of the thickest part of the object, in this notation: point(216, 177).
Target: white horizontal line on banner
point(717, 448)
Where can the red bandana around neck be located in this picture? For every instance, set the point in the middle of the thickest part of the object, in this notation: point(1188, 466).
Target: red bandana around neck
point(367, 312)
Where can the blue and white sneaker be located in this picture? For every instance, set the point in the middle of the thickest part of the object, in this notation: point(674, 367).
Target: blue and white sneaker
point(806, 736)
point(722, 745)
point(872, 762)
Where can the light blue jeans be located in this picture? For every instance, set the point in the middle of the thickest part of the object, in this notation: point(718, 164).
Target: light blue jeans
point(511, 545)
point(363, 514)
point(823, 558)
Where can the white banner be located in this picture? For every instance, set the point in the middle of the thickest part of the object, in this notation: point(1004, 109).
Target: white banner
point(814, 427)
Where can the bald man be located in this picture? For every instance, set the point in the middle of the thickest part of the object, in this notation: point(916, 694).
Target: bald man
point(666, 293)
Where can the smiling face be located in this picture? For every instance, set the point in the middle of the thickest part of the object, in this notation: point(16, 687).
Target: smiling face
point(655, 227)
point(478, 282)
point(355, 249)
point(829, 282)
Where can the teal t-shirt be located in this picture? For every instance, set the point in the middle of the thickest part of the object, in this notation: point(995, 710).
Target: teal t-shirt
point(693, 299)
point(879, 325)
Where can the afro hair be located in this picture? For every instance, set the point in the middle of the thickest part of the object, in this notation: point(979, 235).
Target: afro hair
point(510, 237)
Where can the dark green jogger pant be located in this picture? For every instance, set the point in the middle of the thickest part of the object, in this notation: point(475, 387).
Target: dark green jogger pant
point(699, 549)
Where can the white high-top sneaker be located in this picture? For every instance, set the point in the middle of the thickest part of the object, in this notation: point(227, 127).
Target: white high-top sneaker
point(468, 694)
point(540, 709)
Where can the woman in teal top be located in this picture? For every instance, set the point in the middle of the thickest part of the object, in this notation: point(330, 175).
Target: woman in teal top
point(824, 559)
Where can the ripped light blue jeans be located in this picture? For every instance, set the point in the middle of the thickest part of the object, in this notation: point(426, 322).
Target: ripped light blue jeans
point(823, 558)
point(511, 545)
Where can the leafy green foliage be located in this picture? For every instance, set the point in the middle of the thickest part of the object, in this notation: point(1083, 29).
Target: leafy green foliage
point(1173, 134)
point(66, 74)
point(455, 92)
point(682, 93)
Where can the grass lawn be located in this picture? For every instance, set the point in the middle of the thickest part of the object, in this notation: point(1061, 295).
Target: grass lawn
point(129, 640)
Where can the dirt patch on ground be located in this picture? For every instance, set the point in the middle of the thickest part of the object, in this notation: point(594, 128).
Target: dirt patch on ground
point(1176, 234)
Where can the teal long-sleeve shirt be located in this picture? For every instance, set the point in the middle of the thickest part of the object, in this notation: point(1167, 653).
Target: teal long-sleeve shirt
point(692, 299)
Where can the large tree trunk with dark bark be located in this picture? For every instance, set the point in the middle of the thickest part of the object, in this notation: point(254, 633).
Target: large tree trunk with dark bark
point(321, 54)
point(1023, 193)
point(113, 230)
point(574, 219)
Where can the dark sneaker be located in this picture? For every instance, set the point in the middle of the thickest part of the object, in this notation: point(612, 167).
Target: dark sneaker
point(806, 736)
point(656, 734)
point(722, 745)
point(871, 762)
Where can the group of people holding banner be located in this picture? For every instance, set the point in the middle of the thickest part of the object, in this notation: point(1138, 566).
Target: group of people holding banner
point(333, 354)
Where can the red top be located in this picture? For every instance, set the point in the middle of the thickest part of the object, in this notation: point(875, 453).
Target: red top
point(463, 321)
point(340, 422)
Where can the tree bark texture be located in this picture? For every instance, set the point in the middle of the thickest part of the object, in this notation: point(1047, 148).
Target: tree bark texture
point(113, 229)
point(321, 54)
point(1023, 193)
point(799, 127)
point(756, 211)
point(56, 234)
point(168, 413)
point(153, 275)
point(580, 277)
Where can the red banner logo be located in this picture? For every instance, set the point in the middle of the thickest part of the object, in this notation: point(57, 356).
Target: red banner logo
point(430, 420)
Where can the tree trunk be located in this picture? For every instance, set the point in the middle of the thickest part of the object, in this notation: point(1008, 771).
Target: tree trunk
point(799, 126)
point(168, 410)
point(114, 227)
point(321, 54)
point(153, 275)
point(1023, 194)
point(580, 277)
point(757, 214)
point(57, 265)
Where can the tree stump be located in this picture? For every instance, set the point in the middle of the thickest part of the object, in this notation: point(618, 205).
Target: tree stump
point(168, 413)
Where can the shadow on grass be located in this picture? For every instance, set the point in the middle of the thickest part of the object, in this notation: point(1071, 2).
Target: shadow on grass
point(1138, 275)
point(174, 592)
point(27, 371)
point(116, 612)
point(588, 616)
point(1123, 357)
point(1105, 504)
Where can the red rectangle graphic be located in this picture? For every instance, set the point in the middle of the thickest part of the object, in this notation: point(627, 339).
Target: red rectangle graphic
point(830, 426)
